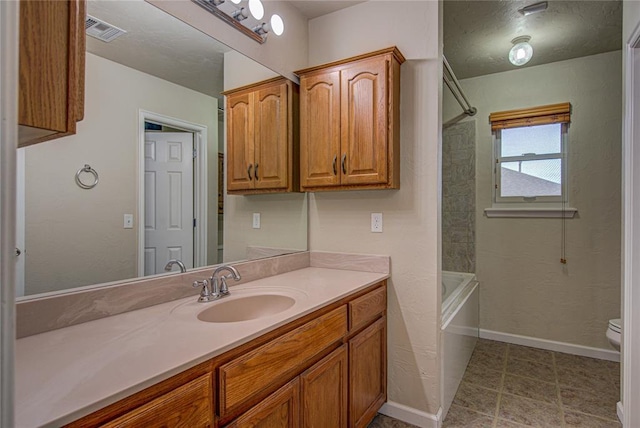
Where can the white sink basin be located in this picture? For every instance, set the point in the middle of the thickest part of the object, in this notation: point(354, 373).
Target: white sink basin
point(246, 308)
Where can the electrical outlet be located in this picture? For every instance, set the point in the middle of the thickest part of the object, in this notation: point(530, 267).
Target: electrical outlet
point(256, 220)
point(376, 222)
point(128, 221)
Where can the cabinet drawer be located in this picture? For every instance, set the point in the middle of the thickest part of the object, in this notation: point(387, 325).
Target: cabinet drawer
point(190, 405)
point(283, 357)
point(367, 308)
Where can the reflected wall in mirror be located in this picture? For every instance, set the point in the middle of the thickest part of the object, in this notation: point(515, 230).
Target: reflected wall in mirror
point(164, 76)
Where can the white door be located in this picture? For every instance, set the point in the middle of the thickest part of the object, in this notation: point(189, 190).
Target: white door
point(20, 221)
point(168, 200)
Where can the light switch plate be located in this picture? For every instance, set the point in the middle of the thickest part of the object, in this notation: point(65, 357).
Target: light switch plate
point(376, 222)
point(128, 221)
point(256, 220)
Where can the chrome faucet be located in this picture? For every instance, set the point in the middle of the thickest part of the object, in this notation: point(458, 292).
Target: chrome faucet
point(216, 287)
point(219, 283)
point(172, 262)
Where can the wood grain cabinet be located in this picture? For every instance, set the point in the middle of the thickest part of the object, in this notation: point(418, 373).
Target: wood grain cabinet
point(262, 138)
point(51, 69)
point(349, 123)
point(324, 370)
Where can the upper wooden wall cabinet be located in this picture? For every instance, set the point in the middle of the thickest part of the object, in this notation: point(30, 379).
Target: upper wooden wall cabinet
point(262, 138)
point(51, 70)
point(350, 123)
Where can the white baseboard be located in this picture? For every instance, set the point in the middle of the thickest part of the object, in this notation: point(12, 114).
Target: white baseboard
point(619, 411)
point(567, 348)
point(411, 416)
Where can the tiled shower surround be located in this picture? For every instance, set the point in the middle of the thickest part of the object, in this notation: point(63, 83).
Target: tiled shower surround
point(459, 197)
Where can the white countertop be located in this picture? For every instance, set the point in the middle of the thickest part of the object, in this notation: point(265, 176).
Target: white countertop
point(65, 374)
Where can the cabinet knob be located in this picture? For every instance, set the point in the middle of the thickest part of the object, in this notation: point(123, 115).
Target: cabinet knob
point(335, 165)
point(249, 171)
point(344, 168)
point(255, 172)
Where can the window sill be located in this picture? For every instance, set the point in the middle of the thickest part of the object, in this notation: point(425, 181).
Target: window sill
point(530, 212)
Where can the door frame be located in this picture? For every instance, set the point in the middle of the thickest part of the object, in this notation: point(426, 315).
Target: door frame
point(199, 179)
point(631, 234)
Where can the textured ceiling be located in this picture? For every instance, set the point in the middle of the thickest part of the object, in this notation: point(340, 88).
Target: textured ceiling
point(156, 43)
point(478, 34)
point(312, 9)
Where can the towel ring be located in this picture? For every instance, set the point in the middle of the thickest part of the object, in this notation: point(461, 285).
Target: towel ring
point(88, 169)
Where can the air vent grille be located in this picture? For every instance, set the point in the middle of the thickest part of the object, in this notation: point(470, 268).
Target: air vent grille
point(102, 30)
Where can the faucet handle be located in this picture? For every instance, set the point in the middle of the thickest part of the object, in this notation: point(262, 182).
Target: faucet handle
point(204, 293)
point(224, 288)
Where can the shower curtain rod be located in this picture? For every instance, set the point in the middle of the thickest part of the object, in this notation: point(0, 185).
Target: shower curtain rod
point(455, 88)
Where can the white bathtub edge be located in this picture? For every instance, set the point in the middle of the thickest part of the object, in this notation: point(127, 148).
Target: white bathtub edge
point(550, 345)
point(412, 416)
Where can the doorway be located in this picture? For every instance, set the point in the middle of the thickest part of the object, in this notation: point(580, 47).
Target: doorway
point(187, 188)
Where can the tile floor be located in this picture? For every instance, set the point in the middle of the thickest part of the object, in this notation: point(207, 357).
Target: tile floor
point(508, 386)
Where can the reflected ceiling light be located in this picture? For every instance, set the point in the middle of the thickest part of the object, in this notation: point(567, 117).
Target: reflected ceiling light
point(244, 19)
point(277, 24)
point(521, 52)
point(240, 14)
point(256, 8)
point(534, 8)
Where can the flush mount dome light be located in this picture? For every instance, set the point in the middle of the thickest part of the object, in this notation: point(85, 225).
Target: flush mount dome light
point(521, 52)
point(277, 24)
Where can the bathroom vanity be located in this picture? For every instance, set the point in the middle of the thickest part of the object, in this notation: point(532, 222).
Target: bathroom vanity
point(319, 362)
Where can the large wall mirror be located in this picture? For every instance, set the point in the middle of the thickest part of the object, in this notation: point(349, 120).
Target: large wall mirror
point(152, 105)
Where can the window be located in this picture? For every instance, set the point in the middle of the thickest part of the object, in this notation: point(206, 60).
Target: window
point(530, 155)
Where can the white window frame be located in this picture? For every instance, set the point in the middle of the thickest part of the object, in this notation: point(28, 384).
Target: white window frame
point(534, 201)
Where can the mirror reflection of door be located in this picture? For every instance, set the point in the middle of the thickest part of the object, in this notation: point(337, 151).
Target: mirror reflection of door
point(168, 196)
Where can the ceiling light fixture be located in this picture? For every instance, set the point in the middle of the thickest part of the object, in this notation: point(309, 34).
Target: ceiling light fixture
point(245, 19)
point(521, 52)
point(534, 8)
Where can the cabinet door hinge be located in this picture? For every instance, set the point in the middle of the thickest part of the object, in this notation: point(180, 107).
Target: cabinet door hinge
point(194, 223)
point(195, 153)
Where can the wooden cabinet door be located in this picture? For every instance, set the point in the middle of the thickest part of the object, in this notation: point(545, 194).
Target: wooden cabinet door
point(324, 392)
point(189, 406)
point(51, 69)
point(280, 410)
point(364, 122)
point(271, 137)
point(240, 165)
point(320, 129)
point(367, 373)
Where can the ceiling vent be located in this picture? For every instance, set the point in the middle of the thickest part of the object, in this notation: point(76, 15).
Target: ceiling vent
point(102, 30)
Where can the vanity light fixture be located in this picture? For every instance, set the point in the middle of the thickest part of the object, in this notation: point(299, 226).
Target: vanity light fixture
point(246, 19)
point(534, 8)
point(521, 52)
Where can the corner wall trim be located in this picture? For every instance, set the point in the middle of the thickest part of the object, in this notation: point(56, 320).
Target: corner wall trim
point(567, 348)
point(411, 416)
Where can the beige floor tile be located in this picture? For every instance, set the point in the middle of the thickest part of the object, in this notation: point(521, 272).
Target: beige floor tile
point(531, 388)
point(585, 365)
point(591, 402)
point(382, 421)
point(531, 354)
point(529, 412)
point(487, 361)
point(595, 381)
point(575, 419)
point(461, 417)
point(531, 369)
point(502, 423)
point(476, 398)
point(491, 347)
point(484, 377)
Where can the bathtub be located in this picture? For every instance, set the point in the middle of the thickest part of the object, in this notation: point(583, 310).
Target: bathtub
point(459, 331)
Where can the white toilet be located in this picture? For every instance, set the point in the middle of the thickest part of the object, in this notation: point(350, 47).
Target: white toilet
point(613, 332)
